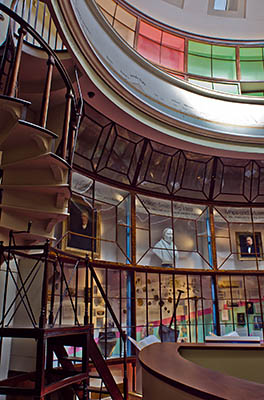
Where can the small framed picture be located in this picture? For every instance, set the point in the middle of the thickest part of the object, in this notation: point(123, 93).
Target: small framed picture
point(249, 245)
point(250, 307)
point(81, 231)
point(257, 322)
point(225, 315)
point(241, 319)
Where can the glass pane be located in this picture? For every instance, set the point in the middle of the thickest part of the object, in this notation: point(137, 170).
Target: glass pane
point(126, 18)
point(108, 5)
point(126, 33)
point(185, 234)
point(172, 59)
point(150, 32)
point(193, 177)
point(220, 5)
point(250, 53)
point(158, 168)
point(172, 41)
point(200, 49)
point(156, 206)
point(199, 65)
point(226, 88)
point(225, 53)
point(143, 244)
point(259, 94)
point(109, 18)
point(224, 69)
point(204, 84)
point(252, 70)
point(149, 49)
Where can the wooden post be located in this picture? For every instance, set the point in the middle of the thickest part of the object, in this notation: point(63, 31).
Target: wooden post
point(14, 74)
point(46, 93)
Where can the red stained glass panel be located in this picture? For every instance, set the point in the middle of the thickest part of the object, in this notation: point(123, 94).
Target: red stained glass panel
point(150, 32)
point(173, 41)
point(149, 49)
point(172, 59)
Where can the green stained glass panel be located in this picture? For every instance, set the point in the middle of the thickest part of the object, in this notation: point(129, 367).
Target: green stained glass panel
point(251, 53)
point(226, 88)
point(224, 69)
point(199, 49)
point(225, 53)
point(252, 70)
point(199, 65)
point(259, 94)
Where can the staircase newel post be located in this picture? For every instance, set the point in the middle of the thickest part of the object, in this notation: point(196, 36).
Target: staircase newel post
point(44, 296)
point(15, 70)
point(86, 291)
point(46, 94)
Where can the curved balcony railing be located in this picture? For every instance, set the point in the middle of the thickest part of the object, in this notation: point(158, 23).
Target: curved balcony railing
point(36, 14)
point(48, 75)
point(222, 65)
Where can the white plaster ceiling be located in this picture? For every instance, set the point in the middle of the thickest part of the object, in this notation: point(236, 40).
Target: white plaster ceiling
point(194, 18)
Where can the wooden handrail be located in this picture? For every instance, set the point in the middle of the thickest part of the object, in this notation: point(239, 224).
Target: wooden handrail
point(165, 362)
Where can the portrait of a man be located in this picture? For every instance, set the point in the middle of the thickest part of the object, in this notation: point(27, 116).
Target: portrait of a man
point(249, 246)
point(82, 228)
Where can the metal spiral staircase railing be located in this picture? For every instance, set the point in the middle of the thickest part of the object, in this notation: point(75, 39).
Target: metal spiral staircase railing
point(36, 165)
point(29, 144)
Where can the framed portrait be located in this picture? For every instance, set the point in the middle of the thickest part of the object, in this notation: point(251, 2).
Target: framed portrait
point(81, 230)
point(241, 319)
point(249, 245)
point(250, 307)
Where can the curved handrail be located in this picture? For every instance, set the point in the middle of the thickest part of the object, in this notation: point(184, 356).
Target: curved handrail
point(65, 148)
point(44, 45)
point(164, 361)
point(26, 8)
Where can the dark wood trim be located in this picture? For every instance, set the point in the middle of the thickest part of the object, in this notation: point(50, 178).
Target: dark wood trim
point(165, 362)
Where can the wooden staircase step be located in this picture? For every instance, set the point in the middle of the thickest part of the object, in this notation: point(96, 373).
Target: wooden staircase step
point(51, 189)
point(35, 213)
point(26, 140)
point(40, 161)
point(7, 102)
point(26, 238)
point(22, 132)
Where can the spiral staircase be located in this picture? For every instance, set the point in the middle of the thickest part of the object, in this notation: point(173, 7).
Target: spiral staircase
point(38, 131)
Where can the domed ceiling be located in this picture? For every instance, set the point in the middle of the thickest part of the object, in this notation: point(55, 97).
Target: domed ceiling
point(241, 19)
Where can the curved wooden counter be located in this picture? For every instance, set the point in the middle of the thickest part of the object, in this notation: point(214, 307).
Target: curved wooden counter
point(167, 374)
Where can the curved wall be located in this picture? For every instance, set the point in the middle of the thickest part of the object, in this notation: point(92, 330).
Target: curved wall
point(193, 17)
point(168, 104)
